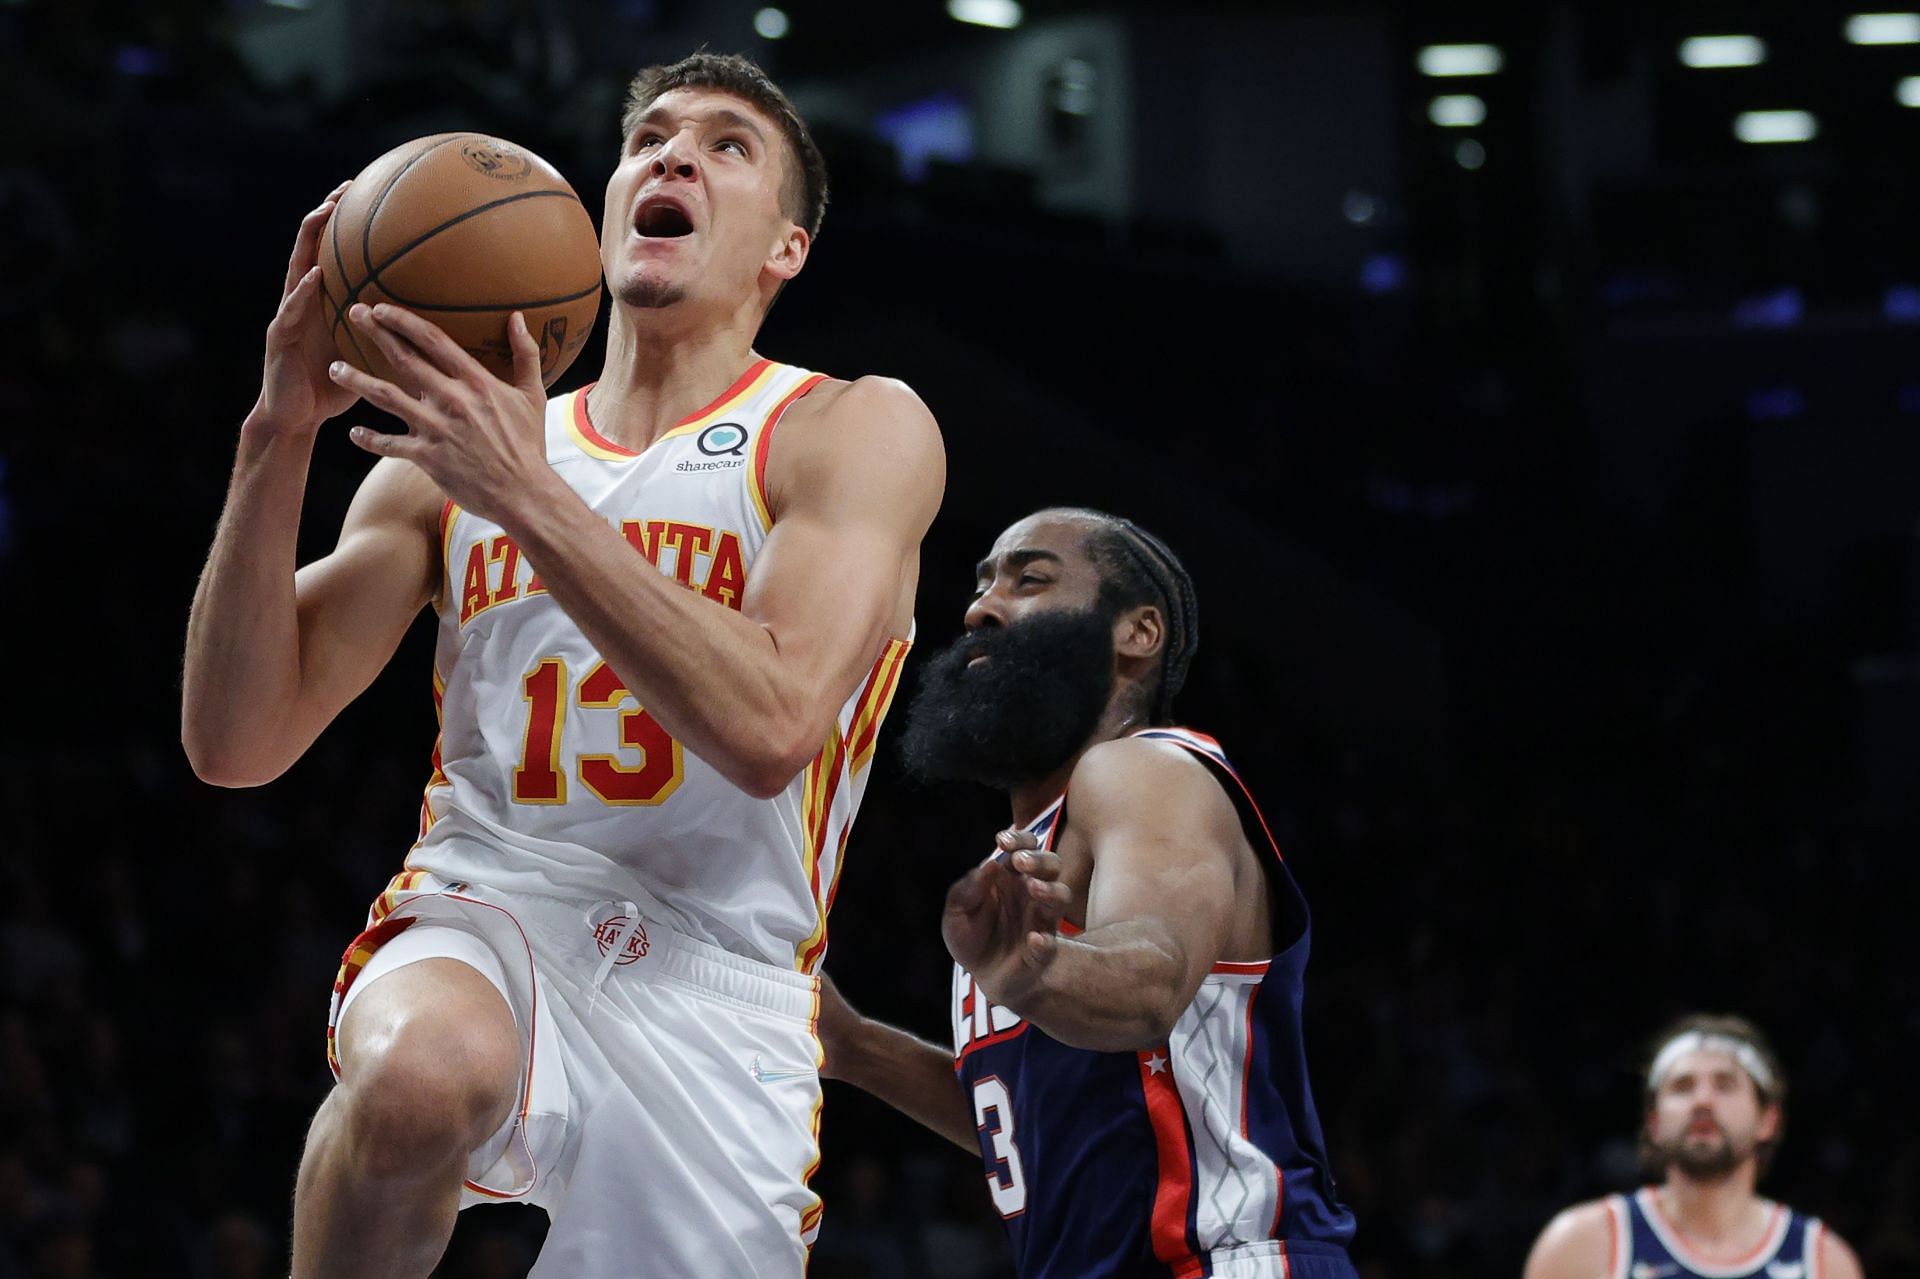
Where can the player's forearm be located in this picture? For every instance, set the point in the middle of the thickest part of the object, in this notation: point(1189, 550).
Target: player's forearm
point(713, 678)
point(1112, 989)
point(913, 1076)
point(242, 666)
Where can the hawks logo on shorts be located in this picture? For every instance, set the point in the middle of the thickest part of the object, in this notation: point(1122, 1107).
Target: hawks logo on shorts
point(628, 934)
point(549, 776)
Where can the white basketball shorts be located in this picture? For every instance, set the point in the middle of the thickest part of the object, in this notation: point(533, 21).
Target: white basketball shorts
point(670, 1102)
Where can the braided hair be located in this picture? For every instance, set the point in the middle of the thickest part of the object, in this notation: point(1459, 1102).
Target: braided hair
point(1137, 568)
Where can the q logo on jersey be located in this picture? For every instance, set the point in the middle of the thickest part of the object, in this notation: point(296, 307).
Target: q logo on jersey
point(723, 439)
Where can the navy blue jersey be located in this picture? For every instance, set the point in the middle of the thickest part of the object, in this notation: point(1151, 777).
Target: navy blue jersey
point(1200, 1156)
point(1647, 1245)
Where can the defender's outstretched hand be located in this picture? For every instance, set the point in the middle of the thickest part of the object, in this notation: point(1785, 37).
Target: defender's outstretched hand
point(1002, 920)
point(482, 440)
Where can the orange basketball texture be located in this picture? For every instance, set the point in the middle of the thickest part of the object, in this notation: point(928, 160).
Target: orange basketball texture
point(464, 229)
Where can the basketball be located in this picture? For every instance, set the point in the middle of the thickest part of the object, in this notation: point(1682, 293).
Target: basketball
point(464, 229)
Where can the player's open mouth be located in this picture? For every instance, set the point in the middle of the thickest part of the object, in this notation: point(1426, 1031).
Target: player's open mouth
point(662, 219)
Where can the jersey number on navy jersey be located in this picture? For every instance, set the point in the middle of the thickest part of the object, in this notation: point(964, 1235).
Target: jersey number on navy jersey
point(993, 1115)
point(539, 778)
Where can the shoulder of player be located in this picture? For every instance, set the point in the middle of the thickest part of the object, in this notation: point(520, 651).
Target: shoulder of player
point(1836, 1258)
point(868, 412)
point(398, 493)
point(1577, 1242)
point(868, 445)
point(1144, 774)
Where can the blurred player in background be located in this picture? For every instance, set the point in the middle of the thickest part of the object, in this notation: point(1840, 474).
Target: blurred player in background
point(592, 986)
point(1128, 964)
point(1715, 1113)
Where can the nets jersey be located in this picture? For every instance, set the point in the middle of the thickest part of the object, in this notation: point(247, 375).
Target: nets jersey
point(1646, 1245)
point(549, 777)
point(1199, 1156)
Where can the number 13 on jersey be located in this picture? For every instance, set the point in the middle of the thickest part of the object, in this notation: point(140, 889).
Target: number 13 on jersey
point(539, 779)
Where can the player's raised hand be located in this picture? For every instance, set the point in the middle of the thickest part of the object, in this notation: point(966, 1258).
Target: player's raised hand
point(481, 439)
point(296, 395)
point(1002, 919)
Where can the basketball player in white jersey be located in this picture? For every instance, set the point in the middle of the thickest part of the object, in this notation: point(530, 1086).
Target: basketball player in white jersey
point(1715, 1112)
point(672, 608)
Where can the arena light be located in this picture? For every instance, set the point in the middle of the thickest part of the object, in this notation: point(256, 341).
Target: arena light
point(1775, 126)
point(1004, 14)
point(1383, 273)
point(771, 24)
point(1908, 91)
point(1456, 110)
point(1884, 28)
point(1723, 51)
point(1901, 304)
point(1461, 59)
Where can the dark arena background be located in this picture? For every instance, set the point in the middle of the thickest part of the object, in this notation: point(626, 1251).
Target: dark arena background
point(1544, 442)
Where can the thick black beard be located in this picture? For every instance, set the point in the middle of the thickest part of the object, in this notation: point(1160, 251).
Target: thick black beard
point(1019, 715)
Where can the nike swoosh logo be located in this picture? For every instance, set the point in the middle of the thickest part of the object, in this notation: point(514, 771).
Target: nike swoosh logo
point(762, 1075)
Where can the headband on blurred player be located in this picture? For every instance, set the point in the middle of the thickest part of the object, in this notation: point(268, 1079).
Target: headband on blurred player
point(1693, 1041)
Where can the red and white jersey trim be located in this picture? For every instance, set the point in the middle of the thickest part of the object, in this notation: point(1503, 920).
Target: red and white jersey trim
point(1670, 1238)
point(1238, 1189)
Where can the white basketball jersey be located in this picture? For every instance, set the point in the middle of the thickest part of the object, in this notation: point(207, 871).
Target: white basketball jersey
point(550, 778)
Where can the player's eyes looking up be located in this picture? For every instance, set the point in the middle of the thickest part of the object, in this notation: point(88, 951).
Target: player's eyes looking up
point(647, 139)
